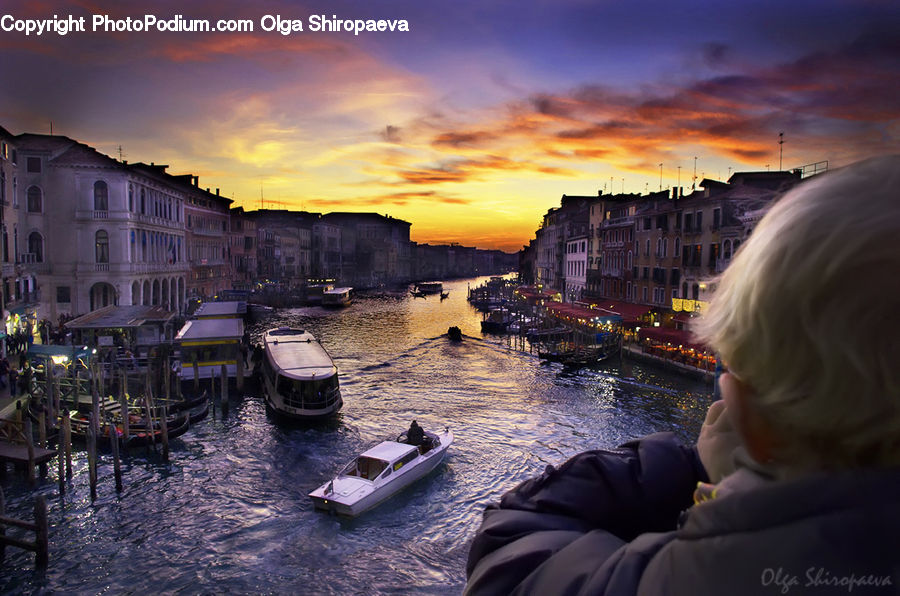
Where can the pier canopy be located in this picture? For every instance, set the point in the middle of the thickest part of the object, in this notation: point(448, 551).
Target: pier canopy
point(39, 354)
point(132, 325)
point(679, 338)
point(231, 309)
point(582, 315)
point(631, 314)
point(533, 296)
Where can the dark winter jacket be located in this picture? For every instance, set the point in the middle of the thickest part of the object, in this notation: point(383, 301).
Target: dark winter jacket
point(608, 523)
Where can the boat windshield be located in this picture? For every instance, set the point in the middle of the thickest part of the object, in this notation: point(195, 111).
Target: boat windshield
point(365, 467)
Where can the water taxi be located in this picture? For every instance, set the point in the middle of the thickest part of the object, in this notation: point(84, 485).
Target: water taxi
point(380, 473)
point(300, 379)
point(337, 297)
point(430, 287)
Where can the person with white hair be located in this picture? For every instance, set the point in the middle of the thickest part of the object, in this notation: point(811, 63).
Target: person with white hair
point(794, 484)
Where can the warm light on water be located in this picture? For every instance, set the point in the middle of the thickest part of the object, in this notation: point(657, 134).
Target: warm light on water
point(229, 513)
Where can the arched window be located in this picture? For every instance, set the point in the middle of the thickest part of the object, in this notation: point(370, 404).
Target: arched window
point(630, 259)
point(143, 201)
point(131, 197)
point(36, 246)
point(101, 247)
point(726, 249)
point(34, 199)
point(101, 196)
point(737, 244)
point(677, 247)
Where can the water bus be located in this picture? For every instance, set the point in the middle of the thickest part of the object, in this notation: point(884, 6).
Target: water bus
point(337, 297)
point(299, 378)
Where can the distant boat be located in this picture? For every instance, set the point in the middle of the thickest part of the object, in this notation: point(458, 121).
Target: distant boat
point(316, 292)
point(300, 379)
point(430, 287)
point(496, 321)
point(337, 297)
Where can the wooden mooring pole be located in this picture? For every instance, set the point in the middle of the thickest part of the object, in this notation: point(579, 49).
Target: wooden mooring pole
point(114, 443)
point(67, 442)
point(40, 545)
point(224, 379)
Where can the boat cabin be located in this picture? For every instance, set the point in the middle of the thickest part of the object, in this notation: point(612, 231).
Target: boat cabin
point(336, 297)
point(300, 377)
point(381, 461)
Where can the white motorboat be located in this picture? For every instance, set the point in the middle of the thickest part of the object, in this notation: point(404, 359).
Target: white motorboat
point(380, 473)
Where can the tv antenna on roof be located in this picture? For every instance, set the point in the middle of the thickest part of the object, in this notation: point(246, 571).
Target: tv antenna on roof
point(780, 149)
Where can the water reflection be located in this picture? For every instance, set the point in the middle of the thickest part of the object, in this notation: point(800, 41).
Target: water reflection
point(231, 508)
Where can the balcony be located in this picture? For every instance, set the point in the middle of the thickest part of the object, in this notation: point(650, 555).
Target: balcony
point(206, 232)
point(101, 267)
point(722, 265)
point(207, 262)
point(176, 268)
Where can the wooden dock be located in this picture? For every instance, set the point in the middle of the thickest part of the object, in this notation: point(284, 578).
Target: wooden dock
point(17, 446)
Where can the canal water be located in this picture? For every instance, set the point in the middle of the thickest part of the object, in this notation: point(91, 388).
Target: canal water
point(229, 512)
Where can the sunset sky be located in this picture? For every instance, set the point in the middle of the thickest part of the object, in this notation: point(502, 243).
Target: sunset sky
point(474, 123)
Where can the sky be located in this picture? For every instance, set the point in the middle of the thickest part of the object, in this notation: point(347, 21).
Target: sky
point(475, 121)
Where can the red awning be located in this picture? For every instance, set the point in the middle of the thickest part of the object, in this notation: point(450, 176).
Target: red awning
point(676, 337)
point(570, 310)
point(628, 311)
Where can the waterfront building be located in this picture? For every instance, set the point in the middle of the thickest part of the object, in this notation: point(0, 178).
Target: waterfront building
point(527, 264)
point(242, 249)
point(19, 294)
point(206, 223)
point(287, 237)
point(545, 258)
point(378, 247)
point(98, 231)
point(612, 275)
point(657, 250)
point(576, 267)
point(326, 255)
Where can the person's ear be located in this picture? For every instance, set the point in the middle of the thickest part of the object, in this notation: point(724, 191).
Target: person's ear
point(754, 430)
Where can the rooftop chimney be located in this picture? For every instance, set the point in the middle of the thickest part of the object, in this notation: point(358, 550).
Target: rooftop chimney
point(217, 192)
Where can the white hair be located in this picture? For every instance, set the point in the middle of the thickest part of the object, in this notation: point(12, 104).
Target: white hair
point(808, 315)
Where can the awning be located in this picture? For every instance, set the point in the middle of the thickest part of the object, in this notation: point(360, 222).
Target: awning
point(676, 337)
point(630, 313)
point(581, 313)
